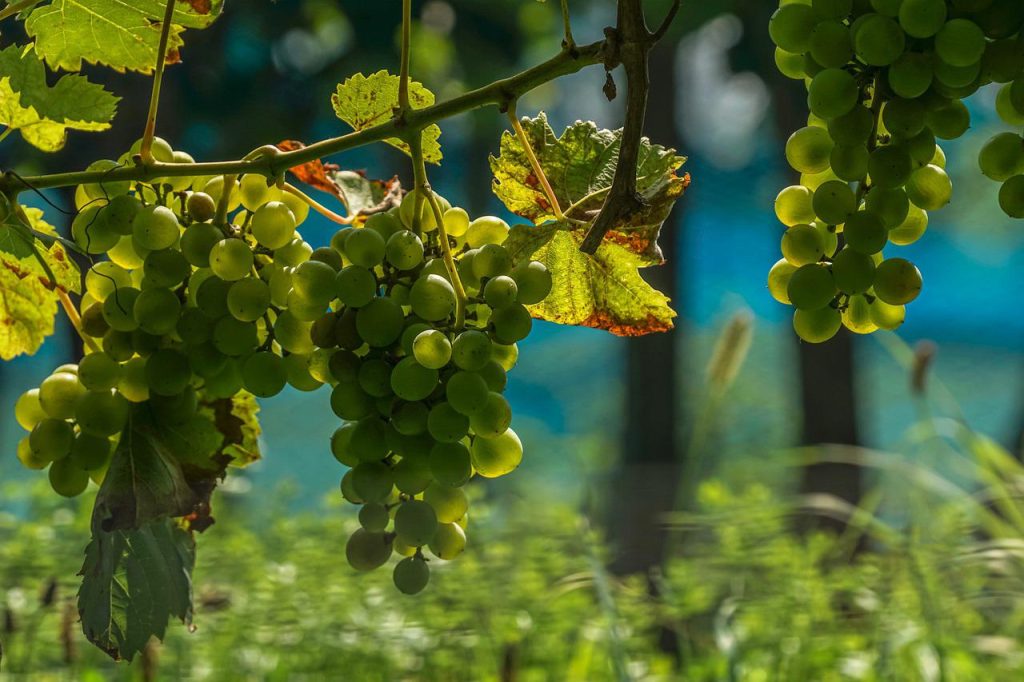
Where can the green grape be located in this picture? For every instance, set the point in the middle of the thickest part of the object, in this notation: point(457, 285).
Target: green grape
point(410, 419)
point(104, 277)
point(293, 253)
point(956, 81)
point(949, 121)
point(449, 541)
point(300, 376)
point(264, 374)
point(133, 385)
point(200, 206)
point(790, 65)
point(231, 259)
point(124, 254)
point(305, 309)
point(350, 401)
point(833, 92)
point(960, 42)
point(778, 282)
point(904, 117)
point(380, 322)
point(374, 517)
point(802, 245)
point(372, 481)
point(432, 298)
point(857, 316)
point(865, 232)
point(493, 418)
point(456, 222)
point(511, 323)
point(415, 523)
point(166, 268)
point(118, 345)
point(853, 128)
point(346, 333)
point(59, 394)
point(834, 202)
point(412, 475)
point(879, 41)
point(67, 478)
point(832, 47)
point(890, 166)
point(91, 232)
point(298, 207)
point(167, 372)
point(366, 551)
point(51, 439)
point(315, 281)
point(808, 150)
point(449, 503)
point(407, 211)
point(886, 316)
point(445, 424)
point(501, 292)
point(466, 392)
point(411, 575)
point(118, 309)
point(212, 297)
point(1006, 108)
point(144, 344)
point(248, 299)
point(833, 9)
point(365, 247)
point(253, 191)
point(155, 227)
point(930, 188)
point(105, 188)
point(911, 75)
point(911, 229)
point(491, 260)
point(93, 323)
point(235, 338)
point(922, 148)
point(897, 281)
point(817, 326)
point(215, 187)
point(205, 360)
point(412, 381)
point(486, 230)
point(790, 27)
point(1002, 157)
point(159, 148)
point(90, 452)
point(451, 464)
point(340, 445)
point(849, 163)
point(922, 18)
point(498, 455)
point(28, 458)
point(347, 491)
point(102, 413)
point(471, 350)
point(374, 377)
point(156, 311)
point(794, 206)
point(273, 224)
point(494, 376)
point(889, 8)
point(1011, 197)
point(386, 224)
point(854, 272)
point(811, 287)
point(891, 205)
point(404, 250)
point(28, 411)
point(533, 282)
point(432, 349)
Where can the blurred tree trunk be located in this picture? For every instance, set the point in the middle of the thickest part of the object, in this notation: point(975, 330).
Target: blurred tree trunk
point(827, 392)
point(647, 476)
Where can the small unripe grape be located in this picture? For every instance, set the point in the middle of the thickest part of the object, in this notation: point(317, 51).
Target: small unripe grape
point(450, 504)
point(456, 222)
point(1002, 157)
point(450, 464)
point(200, 206)
point(104, 277)
point(486, 230)
point(446, 425)
point(374, 517)
point(790, 27)
point(501, 291)
point(949, 121)
point(432, 298)
point(432, 349)
point(808, 150)
point(124, 253)
point(366, 551)
point(231, 259)
point(794, 206)
point(380, 322)
point(102, 413)
point(853, 271)
point(886, 316)
point(960, 42)
point(817, 326)
point(833, 92)
point(248, 299)
point(293, 253)
point(298, 207)
point(355, 286)
point(349, 401)
point(155, 227)
point(273, 224)
point(802, 245)
point(59, 394)
point(493, 418)
point(449, 541)
point(1011, 197)
point(410, 419)
point(890, 205)
point(91, 232)
point(197, 242)
point(212, 297)
point(865, 232)
point(365, 247)
point(511, 323)
point(415, 523)
point(133, 385)
point(404, 250)
point(857, 316)
point(412, 381)
point(165, 268)
point(156, 311)
point(51, 439)
point(879, 41)
point(234, 337)
point(811, 287)
point(411, 575)
point(407, 212)
point(930, 188)
point(67, 478)
point(340, 445)
point(498, 455)
point(778, 280)
point(412, 475)
point(897, 281)
point(375, 377)
point(466, 392)
point(264, 374)
point(533, 282)
point(253, 191)
point(372, 481)
point(27, 409)
point(471, 350)
point(385, 224)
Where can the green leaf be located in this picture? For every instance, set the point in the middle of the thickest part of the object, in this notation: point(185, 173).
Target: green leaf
point(367, 101)
point(604, 290)
point(365, 196)
point(133, 583)
point(580, 166)
point(121, 34)
point(44, 114)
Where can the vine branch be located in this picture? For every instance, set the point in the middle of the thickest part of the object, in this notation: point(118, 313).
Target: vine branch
point(403, 74)
point(146, 148)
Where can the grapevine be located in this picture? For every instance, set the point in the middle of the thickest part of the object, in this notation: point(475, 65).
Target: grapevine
point(201, 296)
point(885, 80)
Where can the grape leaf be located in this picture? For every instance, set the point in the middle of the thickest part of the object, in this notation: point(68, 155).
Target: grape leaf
point(121, 34)
point(367, 101)
point(580, 166)
point(365, 196)
point(44, 114)
point(133, 583)
point(604, 290)
point(238, 420)
point(314, 173)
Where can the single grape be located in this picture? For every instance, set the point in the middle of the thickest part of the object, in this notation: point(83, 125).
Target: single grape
point(200, 206)
point(486, 230)
point(1002, 157)
point(930, 188)
point(449, 541)
point(879, 41)
point(456, 222)
point(911, 75)
point(165, 268)
point(471, 350)
point(794, 206)
point(808, 150)
point(890, 205)
point(450, 504)
point(366, 551)
point(118, 309)
point(446, 425)
point(911, 229)
point(264, 374)
point(415, 523)
point(248, 299)
point(817, 326)
point(273, 224)
point(857, 316)
point(91, 232)
point(960, 42)
point(890, 166)
point(59, 394)
point(854, 272)
point(156, 311)
point(498, 455)
point(790, 27)
point(27, 409)
point(374, 377)
point(380, 322)
point(350, 401)
point(411, 575)
point(231, 259)
point(831, 46)
point(533, 282)
point(234, 337)
point(412, 476)
point(412, 381)
point(886, 316)
point(511, 323)
point(410, 419)
point(404, 250)
point(897, 281)
point(501, 292)
point(365, 247)
point(451, 464)
point(949, 121)
point(1011, 197)
point(51, 439)
point(432, 349)
point(432, 298)
point(778, 281)
point(811, 287)
point(67, 478)
point(102, 413)
point(493, 418)
point(833, 92)
point(865, 232)
point(212, 297)
point(167, 372)
point(849, 163)
point(155, 227)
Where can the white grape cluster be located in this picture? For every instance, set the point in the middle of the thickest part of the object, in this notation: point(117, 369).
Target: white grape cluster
point(421, 396)
point(885, 79)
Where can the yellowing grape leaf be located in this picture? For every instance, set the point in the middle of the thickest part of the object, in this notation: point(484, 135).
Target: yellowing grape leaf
point(580, 166)
point(365, 196)
point(133, 583)
point(44, 114)
point(121, 34)
point(367, 101)
point(604, 290)
point(238, 420)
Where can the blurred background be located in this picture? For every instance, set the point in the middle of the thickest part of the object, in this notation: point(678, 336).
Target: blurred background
point(661, 526)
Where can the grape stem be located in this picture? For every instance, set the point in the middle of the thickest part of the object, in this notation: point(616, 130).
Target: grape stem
point(146, 148)
point(16, 7)
point(317, 206)
point(75, 319)
point(524, 142)
point(567, 42)
point(422, 184)
point(863, 186)
point(221, 216)
point(403, 74)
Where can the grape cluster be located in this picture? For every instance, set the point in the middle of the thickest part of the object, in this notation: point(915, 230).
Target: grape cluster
point(420, 395)
point(181, 309)
point(885, 79)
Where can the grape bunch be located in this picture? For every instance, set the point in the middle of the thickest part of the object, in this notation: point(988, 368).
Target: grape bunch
point(420, 394)
point(885, 79)
point(181, 309)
